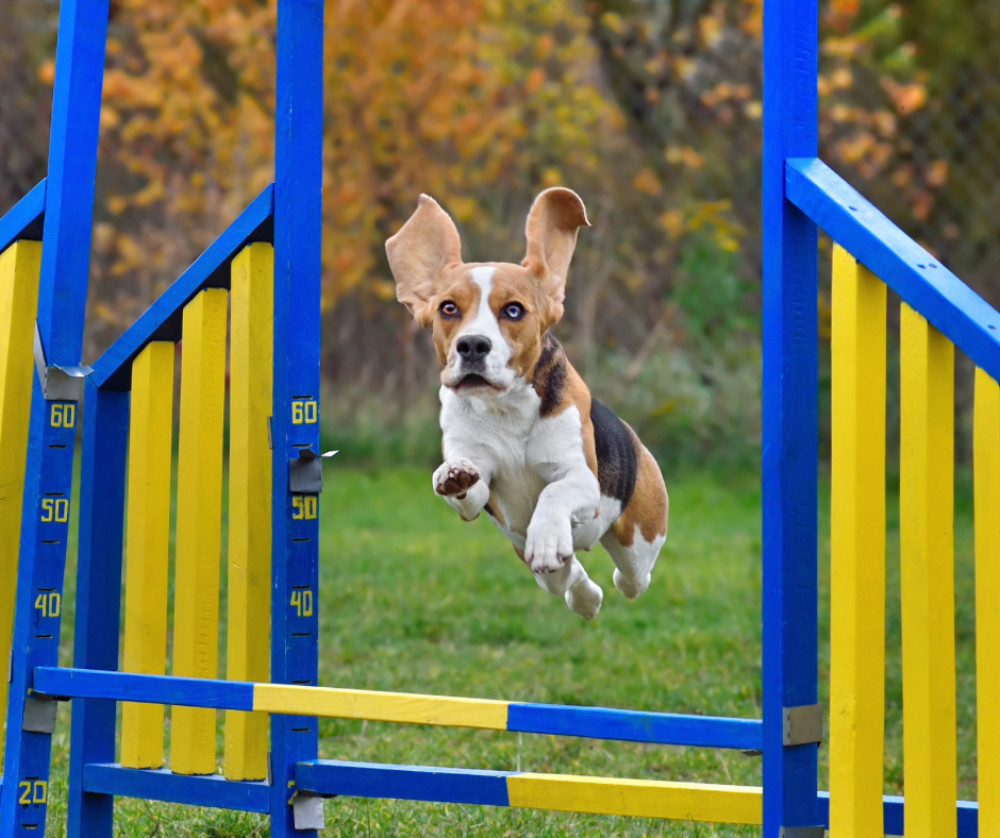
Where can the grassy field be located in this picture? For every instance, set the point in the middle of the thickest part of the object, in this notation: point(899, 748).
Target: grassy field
point(414, 600)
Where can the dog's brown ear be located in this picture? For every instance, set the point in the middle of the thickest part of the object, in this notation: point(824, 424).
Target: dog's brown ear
point(424, 245)
point(553, 221)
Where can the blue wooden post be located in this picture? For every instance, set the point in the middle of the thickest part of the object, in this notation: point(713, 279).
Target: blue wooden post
point(98, 596)
point(295, 426)
point(790, 631)
point(62, 297)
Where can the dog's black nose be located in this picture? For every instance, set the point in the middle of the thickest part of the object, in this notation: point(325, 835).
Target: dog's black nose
point(473, 347)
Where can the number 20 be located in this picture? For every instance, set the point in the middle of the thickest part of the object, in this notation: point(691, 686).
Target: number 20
point(33, 792)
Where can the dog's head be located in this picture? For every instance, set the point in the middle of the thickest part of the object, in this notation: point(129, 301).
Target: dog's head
point(488, 318)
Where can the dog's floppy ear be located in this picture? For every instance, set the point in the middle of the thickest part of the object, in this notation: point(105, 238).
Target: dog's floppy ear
point(425, 244)
point(553, 220)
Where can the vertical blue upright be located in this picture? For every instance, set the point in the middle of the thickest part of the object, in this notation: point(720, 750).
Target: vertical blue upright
point(295, 537)
point(790, 632)
point(62, 297)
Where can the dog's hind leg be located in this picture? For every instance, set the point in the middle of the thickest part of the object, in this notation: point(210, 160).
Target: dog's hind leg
point(572, 583)
point(633, 562)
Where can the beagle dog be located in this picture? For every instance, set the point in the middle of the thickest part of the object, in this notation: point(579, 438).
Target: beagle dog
point(554, 469)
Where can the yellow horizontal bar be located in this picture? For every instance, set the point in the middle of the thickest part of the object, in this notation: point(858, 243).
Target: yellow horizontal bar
point(487, 714)
point(638, 798)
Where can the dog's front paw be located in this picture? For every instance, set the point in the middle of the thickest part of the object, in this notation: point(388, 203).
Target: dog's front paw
point(548, 545)
point(454, 478)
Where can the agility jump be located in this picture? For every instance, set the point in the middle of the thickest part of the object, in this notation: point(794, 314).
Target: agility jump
point(268, 262)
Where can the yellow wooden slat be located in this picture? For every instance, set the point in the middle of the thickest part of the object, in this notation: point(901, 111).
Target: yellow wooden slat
point(147, 546)
point(483, 713)
point(986, 444)
point(249, 582)
point(637, 798)
point(19, 268)
point(199, 523)
point(857, 531)
point(926, 511)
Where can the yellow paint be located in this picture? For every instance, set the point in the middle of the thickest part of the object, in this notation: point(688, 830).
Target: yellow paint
point(638, 798)
point(857, 630)
point(486, 714)
point(199, 523)
point(986, 444)
point(249, 617)
point(19, 268)
point(926, 511)
point(147, 546)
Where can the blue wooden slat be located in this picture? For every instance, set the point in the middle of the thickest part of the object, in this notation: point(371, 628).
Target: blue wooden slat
point(155, 689)
point(921, 280)
point(23, 220)
point(403, 782)
point(967, 813)
point(297, 293)
point(789, 462)
point(162, 320)
point(69, 197)
point(98, 597)
point(213, 790)
point(636, 726)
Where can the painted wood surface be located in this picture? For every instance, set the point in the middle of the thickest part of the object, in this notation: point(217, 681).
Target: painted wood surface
point(926, 512)
point(857, 532)
point(922, 281)
point(249, 578)
point(986, 469)
point(19, 269)
point(147, 545)
point(381, 706)
point(199, 523)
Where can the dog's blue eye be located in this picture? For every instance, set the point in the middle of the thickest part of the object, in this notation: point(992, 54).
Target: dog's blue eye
point(449, 309)
point(513, 311)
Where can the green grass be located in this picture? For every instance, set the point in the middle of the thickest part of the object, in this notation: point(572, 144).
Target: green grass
point(412, 599)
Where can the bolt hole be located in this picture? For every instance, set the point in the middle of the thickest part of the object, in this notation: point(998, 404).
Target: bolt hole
point(853, 209)
point(991, 326)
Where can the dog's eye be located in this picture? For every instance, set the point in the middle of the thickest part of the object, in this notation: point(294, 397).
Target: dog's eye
point(513, 311)
point(449, 309)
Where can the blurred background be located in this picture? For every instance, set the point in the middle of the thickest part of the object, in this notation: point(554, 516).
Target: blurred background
point(650, 109)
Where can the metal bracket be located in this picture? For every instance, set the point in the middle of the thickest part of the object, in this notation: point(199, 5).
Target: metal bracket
point(305, 475)
point(39, 714)
point(59, 384)
point(802, 725)
point(802, 832)
point(307, 811)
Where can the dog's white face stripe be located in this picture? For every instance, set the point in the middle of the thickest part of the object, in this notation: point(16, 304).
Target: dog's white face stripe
point(485, 324)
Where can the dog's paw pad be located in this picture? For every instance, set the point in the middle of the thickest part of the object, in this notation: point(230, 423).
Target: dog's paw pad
point(455, 478)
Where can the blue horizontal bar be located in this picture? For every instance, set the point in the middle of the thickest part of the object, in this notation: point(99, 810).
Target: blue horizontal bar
point(162, 320)
point(926, 285)
point(155, 689)
point(967, 813)
point(24, 219)
point(403, 782)
point(212, 790)
point(636, 726)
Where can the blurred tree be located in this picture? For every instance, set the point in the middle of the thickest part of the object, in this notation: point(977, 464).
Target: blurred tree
point(26, 40)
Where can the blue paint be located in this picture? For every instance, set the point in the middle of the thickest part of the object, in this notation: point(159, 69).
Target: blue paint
point(98, 598)
point(69, 199)
point(404, 782)
point(151, 689)
point(789, 467)
point(297, 290)
point(212, 790)
point(635, 726)
point(24, 219)
point(967, 814)
point(163, 319)
point(953, 308)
